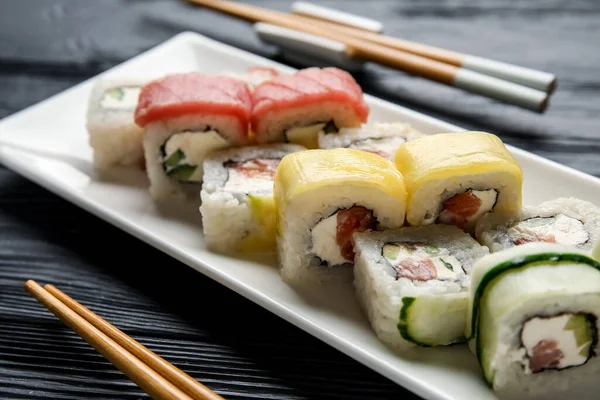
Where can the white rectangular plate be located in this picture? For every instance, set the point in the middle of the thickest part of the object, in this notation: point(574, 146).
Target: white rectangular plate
point(47, 143)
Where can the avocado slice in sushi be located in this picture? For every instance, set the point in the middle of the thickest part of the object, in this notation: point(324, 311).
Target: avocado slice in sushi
point(263, 212)
point(308, 135)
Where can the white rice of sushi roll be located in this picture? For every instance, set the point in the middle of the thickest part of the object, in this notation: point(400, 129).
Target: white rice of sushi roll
point(237, 197)
point(115, 138)
point(568, 221)
point(533, 322)
point(413, 283)
point(380, 138)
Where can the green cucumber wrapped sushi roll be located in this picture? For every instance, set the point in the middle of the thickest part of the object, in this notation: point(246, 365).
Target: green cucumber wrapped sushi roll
point(186, 117)
point(238, 209)
point(533, 321)
point(567, 221)
point(413, 283)
point(382, 139)
point(115, 138)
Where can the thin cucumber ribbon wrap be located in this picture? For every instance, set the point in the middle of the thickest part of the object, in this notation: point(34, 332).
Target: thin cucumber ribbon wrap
point(533, 313)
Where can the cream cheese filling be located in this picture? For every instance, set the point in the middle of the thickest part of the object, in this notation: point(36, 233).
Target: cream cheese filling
point(324, 243)
point(570, 336)
point(446, 265)
point(560, 229)
point(185, 152)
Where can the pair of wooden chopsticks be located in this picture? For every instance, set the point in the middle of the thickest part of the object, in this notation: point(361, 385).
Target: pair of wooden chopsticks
point(511, 84)
point(154, 375)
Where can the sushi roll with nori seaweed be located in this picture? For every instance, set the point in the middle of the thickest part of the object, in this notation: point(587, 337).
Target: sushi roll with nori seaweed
point(238, 210)
point(321, 198)
point(567, 221)
point(186, 117)
point(295, 108)
point(115, 138)
point(456, 178)
point(533, 322)
point(382, 138)
point(413, 283)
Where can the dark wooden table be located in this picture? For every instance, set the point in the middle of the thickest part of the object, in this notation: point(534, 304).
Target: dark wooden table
point(232, 345)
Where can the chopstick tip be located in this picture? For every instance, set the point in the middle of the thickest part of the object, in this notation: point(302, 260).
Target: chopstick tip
point(552, 86)
point(30, 284)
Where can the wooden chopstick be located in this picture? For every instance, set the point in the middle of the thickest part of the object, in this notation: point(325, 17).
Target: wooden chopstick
point(154, 375)
point(526, 76)
point(411, 63)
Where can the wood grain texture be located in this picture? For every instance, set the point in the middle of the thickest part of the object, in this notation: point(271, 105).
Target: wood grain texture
point(233, 346)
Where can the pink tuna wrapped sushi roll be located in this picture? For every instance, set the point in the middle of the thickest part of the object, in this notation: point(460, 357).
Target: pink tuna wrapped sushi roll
point(295, 108)
point(186, 117)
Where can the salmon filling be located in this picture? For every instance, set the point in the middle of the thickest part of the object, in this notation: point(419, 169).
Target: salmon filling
point(557, 342)
point(332, 237)
point(251, 175)
point(467, 207)
point(421, 262)
point(557, 229)
point(184, 153)
point(384, 147)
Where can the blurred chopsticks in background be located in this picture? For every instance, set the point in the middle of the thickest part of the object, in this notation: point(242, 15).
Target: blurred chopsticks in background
point(154, 375)
point(362, 40)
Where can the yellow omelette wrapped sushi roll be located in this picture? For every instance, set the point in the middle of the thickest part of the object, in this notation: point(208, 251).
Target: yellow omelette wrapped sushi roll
point(322, 197)
point(456, 178)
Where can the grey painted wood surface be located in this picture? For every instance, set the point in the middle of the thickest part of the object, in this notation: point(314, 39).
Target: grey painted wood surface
point(232, 345)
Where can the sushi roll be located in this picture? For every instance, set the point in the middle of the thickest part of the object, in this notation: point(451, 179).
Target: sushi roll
point(115, 138)
point(186, 117)
point(567, 221)
point(382, 139)
point(295, 108)
point(238, 210)
point(456, 178)
point(321, 198)
point(533, 322)
point(413, 283)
